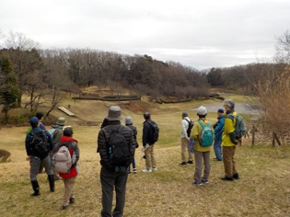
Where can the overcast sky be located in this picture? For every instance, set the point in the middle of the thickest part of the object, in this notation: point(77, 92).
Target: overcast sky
point(201, 34)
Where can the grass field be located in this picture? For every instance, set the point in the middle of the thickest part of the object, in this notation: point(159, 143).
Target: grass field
point(263, 190)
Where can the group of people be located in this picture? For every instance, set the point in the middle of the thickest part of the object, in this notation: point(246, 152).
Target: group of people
point(41, 148)
point(222, 134)
point(116, 146)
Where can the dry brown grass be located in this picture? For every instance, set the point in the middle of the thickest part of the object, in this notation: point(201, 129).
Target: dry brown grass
point(264, 188)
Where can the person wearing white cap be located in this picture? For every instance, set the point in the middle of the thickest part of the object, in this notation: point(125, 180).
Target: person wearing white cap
point(202, 133)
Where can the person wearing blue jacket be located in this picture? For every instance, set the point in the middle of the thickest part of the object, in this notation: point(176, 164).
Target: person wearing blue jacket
point(36, 157)
point(218, 129)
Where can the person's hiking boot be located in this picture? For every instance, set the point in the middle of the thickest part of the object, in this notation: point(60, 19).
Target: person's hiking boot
point(64, 207)
point(51, 182)
point(129, 172)
point(154, 169)
point(147, 171)
point(35, 187)
point(71, 200)
point(228, 179)
point(56, 178)
point(190, 162)
point(204, 181)
point(236, 176)
point(183, 163)
point(197, 183)
point(216, 159)
point(134, 170)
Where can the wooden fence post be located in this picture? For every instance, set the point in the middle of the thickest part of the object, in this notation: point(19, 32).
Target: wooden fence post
point(253, 134)
point(273, 139)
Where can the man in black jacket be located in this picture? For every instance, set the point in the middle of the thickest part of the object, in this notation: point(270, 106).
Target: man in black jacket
point(148, 143)
point(114, 174)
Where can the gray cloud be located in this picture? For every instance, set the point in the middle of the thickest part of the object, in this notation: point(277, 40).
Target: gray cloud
point(199, 34)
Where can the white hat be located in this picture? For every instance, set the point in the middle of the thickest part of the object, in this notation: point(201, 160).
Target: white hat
point(201, 110)
point(128, 120)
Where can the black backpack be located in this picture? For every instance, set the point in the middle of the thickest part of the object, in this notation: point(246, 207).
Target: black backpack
point(118, 149)
point(155, 131)
point(40, 144)
point(190, 126)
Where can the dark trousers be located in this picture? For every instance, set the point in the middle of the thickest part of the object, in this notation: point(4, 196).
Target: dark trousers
point(109, 180)
point(35, 165)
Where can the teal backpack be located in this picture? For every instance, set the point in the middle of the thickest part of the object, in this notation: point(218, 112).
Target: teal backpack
point(206, 138)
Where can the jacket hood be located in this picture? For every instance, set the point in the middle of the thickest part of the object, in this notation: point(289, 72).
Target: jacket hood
point(68, 139)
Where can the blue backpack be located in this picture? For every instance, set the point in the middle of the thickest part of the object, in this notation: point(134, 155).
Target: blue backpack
point(206, 138)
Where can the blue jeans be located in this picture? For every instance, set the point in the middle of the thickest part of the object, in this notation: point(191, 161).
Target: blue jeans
point(217, 149)
point(133, 164)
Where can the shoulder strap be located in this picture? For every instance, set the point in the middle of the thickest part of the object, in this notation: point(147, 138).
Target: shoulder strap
point(202, 125)
point(208, 125)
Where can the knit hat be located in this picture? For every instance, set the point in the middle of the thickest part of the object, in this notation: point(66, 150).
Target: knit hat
point(201, 110)
point(128, 120)
point(61, 121)
point(34, 122)
point(114, 114)
point(221, 111)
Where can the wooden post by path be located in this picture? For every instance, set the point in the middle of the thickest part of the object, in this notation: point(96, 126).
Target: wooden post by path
point(273, 138)
point(253, 134)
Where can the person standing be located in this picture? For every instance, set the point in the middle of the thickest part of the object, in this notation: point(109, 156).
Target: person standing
point(68, 178)
point(148, 143)
point(129, 123)
point(229, 142)
point(218, 130)
point(39, 116)
point(57, 132)
point(202, 151)
point(39, 144)
point(185, 125)
point(116, 146)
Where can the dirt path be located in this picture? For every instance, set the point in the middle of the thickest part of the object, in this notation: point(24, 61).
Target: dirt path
point(241, 108)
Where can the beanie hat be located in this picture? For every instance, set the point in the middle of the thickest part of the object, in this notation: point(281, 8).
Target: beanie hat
point(221, 111)
point(128, 120)
point(201, 110)
point(34, 122)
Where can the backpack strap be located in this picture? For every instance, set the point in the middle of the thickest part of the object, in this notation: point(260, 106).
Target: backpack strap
point(202, 125)
point(233, 117)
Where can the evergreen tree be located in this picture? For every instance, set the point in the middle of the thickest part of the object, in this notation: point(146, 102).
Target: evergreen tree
point(9, 88)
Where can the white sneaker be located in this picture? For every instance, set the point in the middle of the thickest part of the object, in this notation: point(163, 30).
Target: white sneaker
point(147, 171)
point(154, 169)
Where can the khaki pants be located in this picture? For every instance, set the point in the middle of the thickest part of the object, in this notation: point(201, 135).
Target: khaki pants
point(198, 165)
point(150, 159)
point(68, 189)
point(184, 147)
point(229, 161)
